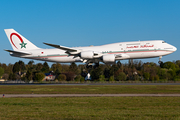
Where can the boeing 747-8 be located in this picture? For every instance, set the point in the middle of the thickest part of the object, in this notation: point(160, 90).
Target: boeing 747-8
point(108, 53)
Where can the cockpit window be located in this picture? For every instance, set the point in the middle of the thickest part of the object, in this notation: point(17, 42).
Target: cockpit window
point(163, 42)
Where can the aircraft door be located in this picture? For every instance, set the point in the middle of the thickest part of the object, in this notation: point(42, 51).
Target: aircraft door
point(123, 48)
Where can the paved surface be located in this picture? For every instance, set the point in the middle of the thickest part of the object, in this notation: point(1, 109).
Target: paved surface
point(88, 95)
point(80, 84)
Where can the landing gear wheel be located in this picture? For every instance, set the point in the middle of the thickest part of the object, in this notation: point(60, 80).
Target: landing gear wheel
point(96, 65)
point(160, 62)
point(88, 66)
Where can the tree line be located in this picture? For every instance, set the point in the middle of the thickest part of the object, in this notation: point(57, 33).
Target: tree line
point(134, 70)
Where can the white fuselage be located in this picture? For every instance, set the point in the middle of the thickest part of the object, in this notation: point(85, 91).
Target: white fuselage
point(127, 50)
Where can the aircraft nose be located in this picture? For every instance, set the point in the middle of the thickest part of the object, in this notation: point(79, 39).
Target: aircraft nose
point(174, 48)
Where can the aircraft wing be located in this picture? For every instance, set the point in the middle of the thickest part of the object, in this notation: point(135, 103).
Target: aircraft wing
point(62, 47)
point(75, 52)
point(18, 52)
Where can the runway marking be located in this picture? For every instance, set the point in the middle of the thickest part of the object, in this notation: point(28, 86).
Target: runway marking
point(87, 95)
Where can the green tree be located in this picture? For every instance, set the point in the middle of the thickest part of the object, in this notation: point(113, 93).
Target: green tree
point(162, 73)
point(39, 76)
point(82, 79)
point(65, 68)
point(10, 76)
point(39, 66)
point(113, 69)
point(78, 78)
point(62, 77)
point(14, 76)
point(119, 64)
point(121, 77)
point(45, 68)
point(169, 65)
point(111, 78)
point(138, 64)
point(53, 67)
point(30, 64)
point(24, 78)
point(59, 67)
point(146, 76)
point(101, 78)
point(22, 66)
point(56, 66)
point(5, 76)
point(70, 76)
point(156, 77)
point(136, 77)
point(16, 67)
point(107, 73)
point(9, 69)
point(178, 63)
point(29, 75)
point(96, 72)
point(5, 67)
point(1, 71)
point(57, 72)
point(73, 67)
point(171, 74)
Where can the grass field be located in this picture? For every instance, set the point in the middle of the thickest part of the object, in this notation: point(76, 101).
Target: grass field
point(89, 89)
point(98, 108)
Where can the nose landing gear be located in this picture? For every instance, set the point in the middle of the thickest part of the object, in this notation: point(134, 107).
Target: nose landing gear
point(160, 62)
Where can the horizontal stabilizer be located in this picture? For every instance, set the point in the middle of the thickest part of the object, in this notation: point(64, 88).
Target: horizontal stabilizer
point(19, 52)
point(62, 47)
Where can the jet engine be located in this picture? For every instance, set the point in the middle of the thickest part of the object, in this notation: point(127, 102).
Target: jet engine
point(110, 58)
point(87, 54)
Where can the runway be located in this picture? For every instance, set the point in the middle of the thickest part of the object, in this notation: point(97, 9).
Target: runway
point(87, 95)
point(84, 84)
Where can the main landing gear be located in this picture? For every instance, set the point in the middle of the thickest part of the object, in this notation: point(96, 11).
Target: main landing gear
point(96, 65)
point(90, 65)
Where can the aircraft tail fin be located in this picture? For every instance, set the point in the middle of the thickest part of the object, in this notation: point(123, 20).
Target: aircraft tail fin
point(18, 42)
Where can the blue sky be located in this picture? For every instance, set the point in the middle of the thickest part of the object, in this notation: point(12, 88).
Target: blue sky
point(75, 23)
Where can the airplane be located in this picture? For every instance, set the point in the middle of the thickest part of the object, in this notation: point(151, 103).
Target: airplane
point(90, 55)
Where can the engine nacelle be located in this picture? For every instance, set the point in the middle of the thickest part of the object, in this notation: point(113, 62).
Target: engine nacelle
point(87, 54)
point(110, 58)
